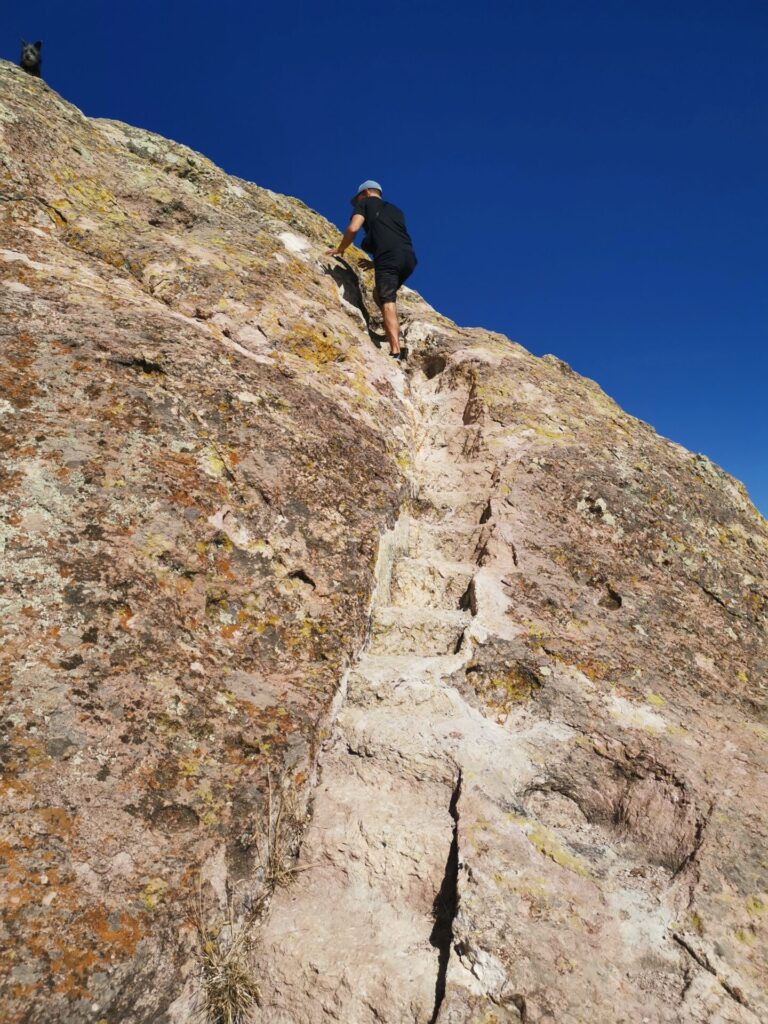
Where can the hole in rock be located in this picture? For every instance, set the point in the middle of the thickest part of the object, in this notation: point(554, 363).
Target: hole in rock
point(434, 365)
point(299, 574)
point(148, 366)
point(610, 599)
point(487, 513)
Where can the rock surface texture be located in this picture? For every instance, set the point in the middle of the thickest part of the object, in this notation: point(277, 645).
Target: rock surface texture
point(504, 645)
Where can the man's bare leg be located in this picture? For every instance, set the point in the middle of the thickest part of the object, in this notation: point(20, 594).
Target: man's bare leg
point(391, 326)
point(391, 323)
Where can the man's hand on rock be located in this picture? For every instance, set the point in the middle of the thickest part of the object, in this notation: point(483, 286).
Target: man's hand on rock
point(335, 252)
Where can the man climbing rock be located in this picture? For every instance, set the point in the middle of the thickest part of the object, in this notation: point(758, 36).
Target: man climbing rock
point(387, 240)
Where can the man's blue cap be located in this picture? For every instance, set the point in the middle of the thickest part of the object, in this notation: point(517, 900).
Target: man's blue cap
point(363, 187)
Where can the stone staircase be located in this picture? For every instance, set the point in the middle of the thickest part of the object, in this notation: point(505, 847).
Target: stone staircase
point(364, 933)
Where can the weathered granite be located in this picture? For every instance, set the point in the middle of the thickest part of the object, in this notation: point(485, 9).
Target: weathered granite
point(199, 449)
point(543, 796)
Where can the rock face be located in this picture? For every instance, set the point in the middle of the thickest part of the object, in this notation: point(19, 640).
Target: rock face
point(503, 642)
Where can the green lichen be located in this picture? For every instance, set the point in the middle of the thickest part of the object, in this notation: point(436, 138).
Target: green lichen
point(548, 846)
point(502, 691)
point(213, 464)
point(314, 346)
point(152, 893)
point(755, 905)
point(697, 923)
point(156, 544)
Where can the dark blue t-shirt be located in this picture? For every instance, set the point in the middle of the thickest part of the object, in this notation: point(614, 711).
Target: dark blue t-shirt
point(385, 230)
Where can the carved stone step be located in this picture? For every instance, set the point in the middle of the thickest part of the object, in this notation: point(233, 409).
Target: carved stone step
point(416, 631)
point(375, 674)
point(430, 583)
point(438, 505)
point(446, 476)
point(430, 541)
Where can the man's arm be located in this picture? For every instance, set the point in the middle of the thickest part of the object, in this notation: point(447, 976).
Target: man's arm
point(349, 235)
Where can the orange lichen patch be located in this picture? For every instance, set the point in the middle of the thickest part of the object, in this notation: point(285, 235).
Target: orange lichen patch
point(12, 869)
point(224, 569)
point(94, 937)
point(27, 753)
point(59, 821)
point(180, 467)
point(13, 785)
point(22, 993)
point(60, 346)
point(124, 618)
point(594, 669)
point(70, 971)
point(17, 383)
point(97, 937)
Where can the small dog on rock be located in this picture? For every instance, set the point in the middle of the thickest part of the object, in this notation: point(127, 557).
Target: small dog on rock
point(30, 57)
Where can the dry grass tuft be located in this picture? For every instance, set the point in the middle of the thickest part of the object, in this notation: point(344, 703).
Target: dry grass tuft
point(229, 993)
point(280, 837)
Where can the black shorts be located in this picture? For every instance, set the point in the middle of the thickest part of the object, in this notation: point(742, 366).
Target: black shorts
point(390, 272)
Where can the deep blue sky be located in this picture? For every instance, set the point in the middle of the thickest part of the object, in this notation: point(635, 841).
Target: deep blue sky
point(587, 178)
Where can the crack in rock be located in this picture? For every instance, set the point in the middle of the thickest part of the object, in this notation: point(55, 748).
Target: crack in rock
point(703, 960)
point(446, 905)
